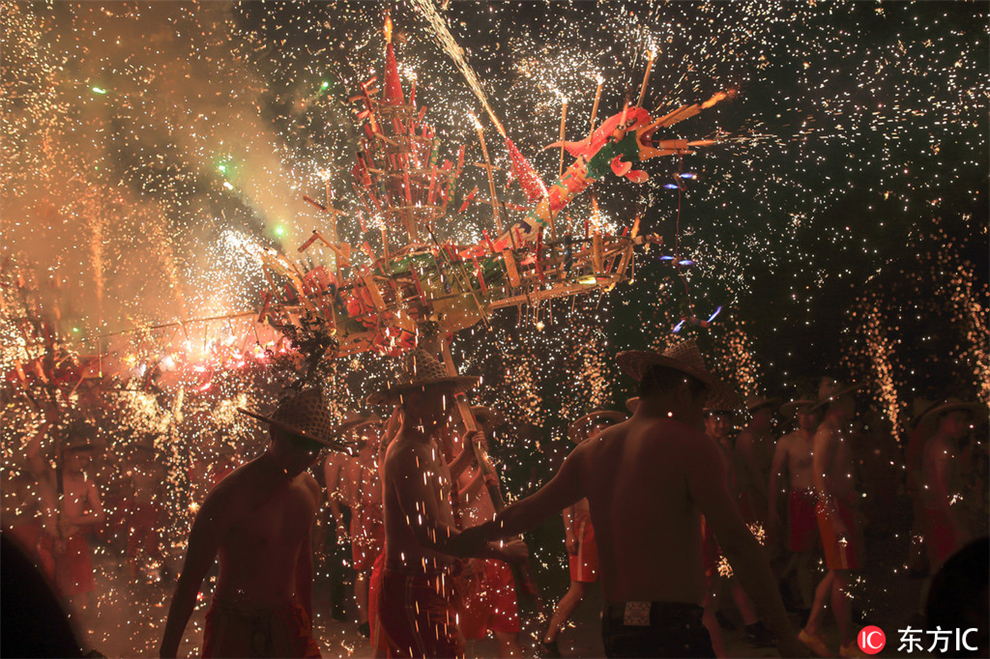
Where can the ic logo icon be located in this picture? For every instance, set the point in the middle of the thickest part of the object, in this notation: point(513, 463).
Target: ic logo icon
point(871, 639)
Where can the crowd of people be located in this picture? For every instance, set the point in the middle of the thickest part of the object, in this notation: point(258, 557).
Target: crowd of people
point(679, 518)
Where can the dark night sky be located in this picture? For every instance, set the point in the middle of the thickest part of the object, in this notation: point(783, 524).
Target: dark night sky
point(852, 171)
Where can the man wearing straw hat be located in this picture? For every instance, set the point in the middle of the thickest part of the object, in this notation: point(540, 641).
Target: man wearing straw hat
point(258, 520)
point(582, 552)
point(648, 481)
point(946, 530)
point(754, 453)
point(486, 588)
point(832, 472)
point(416, 607)
point(78, 509)
point(793, 455)
point(362, 492)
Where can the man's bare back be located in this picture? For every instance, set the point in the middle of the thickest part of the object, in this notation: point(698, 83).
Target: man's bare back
point(646, 461)
point(270, 518)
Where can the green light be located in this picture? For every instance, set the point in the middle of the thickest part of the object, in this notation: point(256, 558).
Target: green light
point(99, 90)
point(223, 168)
point(75, 329)
point(324, 85)
point(279, 231)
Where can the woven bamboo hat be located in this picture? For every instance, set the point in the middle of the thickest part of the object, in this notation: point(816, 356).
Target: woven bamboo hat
point(305, 414)
point(354, 420)
point(754, 403)
point(578, 431)
point(81, 435)
point(803, 405)
point(951, 405)
point(421, 370)
point(722, 399)
point(684, 357)
point(830, 390)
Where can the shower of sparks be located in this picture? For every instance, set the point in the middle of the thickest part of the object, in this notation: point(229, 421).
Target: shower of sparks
point(152, 152)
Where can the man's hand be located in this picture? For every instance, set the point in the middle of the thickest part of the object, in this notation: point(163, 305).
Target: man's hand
point(475, 438)
point(514, 551)
point(471, 541)
point(571, 543)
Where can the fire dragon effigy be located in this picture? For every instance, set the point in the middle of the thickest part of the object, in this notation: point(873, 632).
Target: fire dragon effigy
point(381, 303)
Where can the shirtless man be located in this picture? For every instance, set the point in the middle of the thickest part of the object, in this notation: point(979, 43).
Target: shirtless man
point(81, 510)
point(337, 500)
point(793, 456)
point(946, 529)
point(837, 514)
point(486, 587)
point(648, 481)
point(754, 453)
point(718, 421)
point(259, 520)
point(579, 537)
point(359, 482)
point(416, 605)
point(28, 503)
point(144, 478)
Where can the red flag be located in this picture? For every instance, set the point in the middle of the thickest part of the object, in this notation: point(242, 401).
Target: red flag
point(393, 86)
point(522, 170)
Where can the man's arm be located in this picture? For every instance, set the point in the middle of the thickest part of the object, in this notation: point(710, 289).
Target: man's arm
point(96, 514)
point(821, 459)
point(208, 529)
point(420, 503)
point(470, 491)
point(304, 562)
point(331, 474)
point(562, 491)
point(304, 576)
point(776, 475)
point(937, 457)
point(38, 466)
point(707, 486)
point(745, 467)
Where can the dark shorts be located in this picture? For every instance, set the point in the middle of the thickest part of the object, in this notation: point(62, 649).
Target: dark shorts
point(417, 613)
point(655, 629)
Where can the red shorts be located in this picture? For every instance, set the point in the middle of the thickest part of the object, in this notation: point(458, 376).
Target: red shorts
point(74, 567)
point(488, 600)
point(941, 537)
point(840, 553)
point(141, 532)
point(803, 520)
point(584, 565)
point(367, 538)
point(375, 587)
point(234, 631)
point(417, 613)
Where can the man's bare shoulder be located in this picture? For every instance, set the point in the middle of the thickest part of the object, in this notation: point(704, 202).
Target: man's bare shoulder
point(311, 485)
point(825, 432)
point(405, 453)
